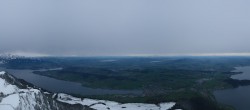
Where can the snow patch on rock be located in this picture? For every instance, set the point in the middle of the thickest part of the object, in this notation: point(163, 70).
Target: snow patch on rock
point(6, 88)
point(111, 105)
point(6, 107)
point(11, 100)
point(2, 72)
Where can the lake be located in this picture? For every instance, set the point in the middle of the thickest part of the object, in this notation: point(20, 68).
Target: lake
point(239, 97)
point(245, 75)
point(60, 86)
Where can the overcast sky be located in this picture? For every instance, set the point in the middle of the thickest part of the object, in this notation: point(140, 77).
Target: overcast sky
point(124, 27)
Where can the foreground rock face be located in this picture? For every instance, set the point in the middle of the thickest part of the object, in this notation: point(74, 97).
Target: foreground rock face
point(17, 95)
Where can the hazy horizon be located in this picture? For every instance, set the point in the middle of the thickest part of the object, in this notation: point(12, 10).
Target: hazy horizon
point(125, 28)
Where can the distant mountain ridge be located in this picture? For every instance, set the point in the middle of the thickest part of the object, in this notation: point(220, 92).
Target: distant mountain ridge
point(10, 56)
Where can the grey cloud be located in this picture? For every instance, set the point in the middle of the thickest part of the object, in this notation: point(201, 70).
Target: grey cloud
point(123, 27)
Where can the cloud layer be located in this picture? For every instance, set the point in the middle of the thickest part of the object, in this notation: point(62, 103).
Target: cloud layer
point(124, 27)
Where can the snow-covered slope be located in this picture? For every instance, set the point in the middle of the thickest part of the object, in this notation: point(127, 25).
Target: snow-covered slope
point(111, 105)
point(17, 95)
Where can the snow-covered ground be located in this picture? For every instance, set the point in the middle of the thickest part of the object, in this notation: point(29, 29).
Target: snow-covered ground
point(6, 107)
point(6, 88)
point(111, 105)
point(13, 98)
point(2, 72)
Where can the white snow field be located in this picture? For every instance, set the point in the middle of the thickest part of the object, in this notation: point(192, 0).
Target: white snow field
point(17, 99)
point(2, 73)
point(111, 105)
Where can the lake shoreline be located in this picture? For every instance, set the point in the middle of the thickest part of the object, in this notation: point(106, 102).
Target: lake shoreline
point(55, 85)
point(239, 92)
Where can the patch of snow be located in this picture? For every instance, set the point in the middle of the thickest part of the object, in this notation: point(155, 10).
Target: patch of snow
point(36, 91)
point(28, 100)
point(6, 107)
point(12, 100)
point(163, 106)
point(68, 99)
point(2, 72)
point(54, 95)
point(111, 105)
point(46, 92)
point(6, 88)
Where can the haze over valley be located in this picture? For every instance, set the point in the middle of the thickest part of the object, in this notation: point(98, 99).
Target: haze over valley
point(124, 55)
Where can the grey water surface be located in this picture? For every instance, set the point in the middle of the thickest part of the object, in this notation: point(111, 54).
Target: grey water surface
point(55, 85)
point(239, 97)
